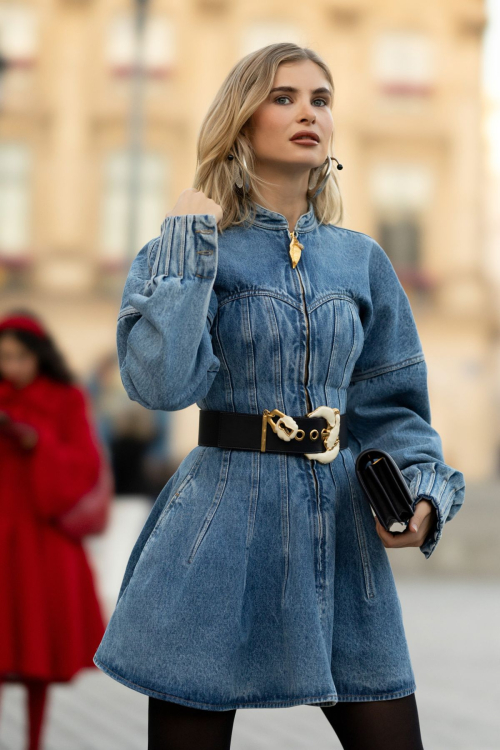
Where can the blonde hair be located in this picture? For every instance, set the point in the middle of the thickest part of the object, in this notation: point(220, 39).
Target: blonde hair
point(246, 86)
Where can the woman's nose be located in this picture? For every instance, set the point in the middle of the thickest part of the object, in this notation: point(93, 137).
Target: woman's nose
point(307, 112)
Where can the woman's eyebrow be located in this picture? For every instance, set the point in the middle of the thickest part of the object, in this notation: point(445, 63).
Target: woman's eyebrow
point(293, 90)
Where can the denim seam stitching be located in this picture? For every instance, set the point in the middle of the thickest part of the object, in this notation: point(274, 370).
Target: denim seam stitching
point(345, 229)
point(450, 504)
point(146, 542)
point(168, 249)
point(332, 348)
point(353, 349)
point(214, 505)
point(159, 249)
point(328, 696)
point(252, 509)
point(259, 293)
point(438, 531)
point(418, 482)
point(285, 521)
point(277, 358)
point(182, 250)
point(210, 315)
point(374, 372)
point(329, 297)
point(364, 555)
point(375, 695)
point(250, 356)
point(228, 386)
point(175, 494)
point(281, 227)
point(129, 310)
point(152, 245)
point(432, 479)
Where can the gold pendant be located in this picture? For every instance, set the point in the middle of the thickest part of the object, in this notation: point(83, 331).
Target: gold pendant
point(295, 250)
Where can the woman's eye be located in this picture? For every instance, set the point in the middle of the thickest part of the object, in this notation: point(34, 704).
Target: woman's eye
point(287, 97)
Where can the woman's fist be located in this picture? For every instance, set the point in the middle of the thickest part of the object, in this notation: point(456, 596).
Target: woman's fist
point(192, 201)
point(423, 520)
point(25, 435)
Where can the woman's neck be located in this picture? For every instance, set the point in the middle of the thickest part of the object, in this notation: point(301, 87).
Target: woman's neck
point(287, 196)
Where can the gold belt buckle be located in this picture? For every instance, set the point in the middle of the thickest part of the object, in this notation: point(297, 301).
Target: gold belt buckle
point(286, 428)
point(330, 434)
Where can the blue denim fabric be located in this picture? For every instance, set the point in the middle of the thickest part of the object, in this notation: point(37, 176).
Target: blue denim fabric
point(258, 579)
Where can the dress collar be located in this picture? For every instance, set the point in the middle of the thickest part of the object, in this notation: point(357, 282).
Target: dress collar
point(268, 219)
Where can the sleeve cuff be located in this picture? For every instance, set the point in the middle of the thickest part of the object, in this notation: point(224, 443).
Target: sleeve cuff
point(187, 247)
point(444, 487)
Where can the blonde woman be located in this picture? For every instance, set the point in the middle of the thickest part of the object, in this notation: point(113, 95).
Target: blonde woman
point(261, 579)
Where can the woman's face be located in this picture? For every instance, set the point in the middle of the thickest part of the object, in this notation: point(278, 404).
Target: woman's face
point(17, 363)
point(284, 113)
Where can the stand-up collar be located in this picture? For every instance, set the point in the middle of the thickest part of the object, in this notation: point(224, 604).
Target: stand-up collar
point(268, 219)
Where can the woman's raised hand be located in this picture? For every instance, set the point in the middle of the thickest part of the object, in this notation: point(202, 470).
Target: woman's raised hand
point(192, 201)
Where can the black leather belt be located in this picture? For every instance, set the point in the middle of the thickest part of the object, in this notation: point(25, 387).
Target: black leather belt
point(226, 429)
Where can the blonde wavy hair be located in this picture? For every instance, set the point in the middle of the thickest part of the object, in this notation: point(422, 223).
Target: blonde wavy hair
point(246, 86)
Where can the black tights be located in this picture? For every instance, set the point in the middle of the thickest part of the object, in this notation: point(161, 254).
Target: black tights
point(172, 726)
point(377, 725)
point(371, 725)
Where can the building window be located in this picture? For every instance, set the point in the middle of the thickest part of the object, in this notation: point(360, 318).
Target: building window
point(261, 33)
point(158, 46)
point(15, 194)
point(403, 63)
point(401, 194)
point(14, 200)
point(18, 48)
point(151, 204)
point(401, 238)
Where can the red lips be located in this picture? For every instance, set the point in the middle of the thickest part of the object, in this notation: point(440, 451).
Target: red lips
point(308, 133)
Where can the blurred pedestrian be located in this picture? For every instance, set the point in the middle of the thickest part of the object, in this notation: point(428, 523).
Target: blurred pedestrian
point(137, 439)
point(50, 616)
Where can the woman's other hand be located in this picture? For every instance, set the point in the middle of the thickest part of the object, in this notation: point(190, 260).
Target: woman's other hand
point(25, 434)
point(424, 518)
point(4, 419)
point(192, 201)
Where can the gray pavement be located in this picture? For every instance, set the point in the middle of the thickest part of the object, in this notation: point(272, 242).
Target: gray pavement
point(452, 625)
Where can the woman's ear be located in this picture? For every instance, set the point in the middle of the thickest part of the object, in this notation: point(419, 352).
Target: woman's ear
point(247, 129)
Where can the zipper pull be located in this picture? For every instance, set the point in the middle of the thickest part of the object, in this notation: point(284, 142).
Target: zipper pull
point(295, 249)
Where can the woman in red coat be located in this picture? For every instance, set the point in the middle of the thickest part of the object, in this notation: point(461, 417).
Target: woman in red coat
point(51, 620)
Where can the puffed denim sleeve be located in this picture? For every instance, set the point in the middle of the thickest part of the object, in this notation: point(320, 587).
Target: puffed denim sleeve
point(388, 401)
point(163, 334)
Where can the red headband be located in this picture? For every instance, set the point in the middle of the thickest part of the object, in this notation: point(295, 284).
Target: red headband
point(23, 322)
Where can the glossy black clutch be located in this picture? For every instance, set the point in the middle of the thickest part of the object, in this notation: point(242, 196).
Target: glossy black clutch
point(385, 487)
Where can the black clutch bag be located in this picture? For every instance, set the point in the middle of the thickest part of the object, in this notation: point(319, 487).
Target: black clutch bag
point(385, 487)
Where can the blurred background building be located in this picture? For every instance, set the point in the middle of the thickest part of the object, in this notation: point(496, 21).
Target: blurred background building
point(407, 113)
point(100, 106)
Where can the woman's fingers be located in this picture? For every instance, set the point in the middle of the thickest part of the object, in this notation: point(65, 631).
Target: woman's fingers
point(407, 538)
point(192, 201)
point(424, 518)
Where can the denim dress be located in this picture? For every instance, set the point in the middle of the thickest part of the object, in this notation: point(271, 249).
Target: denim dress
point(259, 579)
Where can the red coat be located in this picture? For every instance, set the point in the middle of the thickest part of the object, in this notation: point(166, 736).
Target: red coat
point(51, 621)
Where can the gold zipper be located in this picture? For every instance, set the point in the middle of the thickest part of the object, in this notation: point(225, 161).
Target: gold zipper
point(293, 237)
